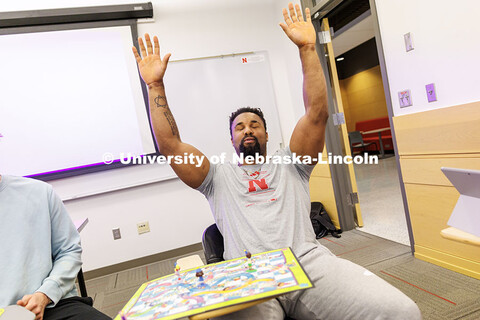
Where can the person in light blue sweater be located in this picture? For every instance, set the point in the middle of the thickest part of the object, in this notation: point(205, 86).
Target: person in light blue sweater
point(40, 253)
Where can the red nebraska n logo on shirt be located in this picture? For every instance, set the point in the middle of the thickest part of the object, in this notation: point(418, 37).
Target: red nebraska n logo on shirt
point(260, 183)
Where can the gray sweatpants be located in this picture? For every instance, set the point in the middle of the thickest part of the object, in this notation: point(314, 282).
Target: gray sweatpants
point(343, 290)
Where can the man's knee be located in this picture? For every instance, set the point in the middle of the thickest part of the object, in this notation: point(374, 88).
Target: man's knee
point(400, 309)
point(90, 314)
point(94, 314)
point(411, 310)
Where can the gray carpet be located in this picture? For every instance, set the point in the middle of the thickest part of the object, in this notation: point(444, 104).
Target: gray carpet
point(440, 294)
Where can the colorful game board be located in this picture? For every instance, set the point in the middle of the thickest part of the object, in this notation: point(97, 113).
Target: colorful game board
point(223, 284)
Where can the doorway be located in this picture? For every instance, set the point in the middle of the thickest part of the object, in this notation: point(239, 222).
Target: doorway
point(351, 29)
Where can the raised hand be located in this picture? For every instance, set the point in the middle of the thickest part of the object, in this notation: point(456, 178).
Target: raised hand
point(299, 31)
point(152, 67)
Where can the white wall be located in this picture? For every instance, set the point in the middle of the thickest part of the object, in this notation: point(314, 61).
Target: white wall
point(187, 29)
point(445, 37)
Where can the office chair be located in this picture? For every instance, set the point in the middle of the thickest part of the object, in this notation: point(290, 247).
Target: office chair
point(356, 141)
point(212, 242)
point(81, 284)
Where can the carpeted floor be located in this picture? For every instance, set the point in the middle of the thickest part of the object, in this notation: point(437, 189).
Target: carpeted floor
point(440, 294)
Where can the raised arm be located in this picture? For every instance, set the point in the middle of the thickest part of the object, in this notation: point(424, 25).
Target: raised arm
point(152, 69)
point(308, 137)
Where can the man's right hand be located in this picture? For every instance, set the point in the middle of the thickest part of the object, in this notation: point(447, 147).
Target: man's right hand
point(152, 67)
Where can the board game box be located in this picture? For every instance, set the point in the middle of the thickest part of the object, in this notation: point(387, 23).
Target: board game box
point(215, 286)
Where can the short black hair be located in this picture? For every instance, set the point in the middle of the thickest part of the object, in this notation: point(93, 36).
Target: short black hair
point(239, 111)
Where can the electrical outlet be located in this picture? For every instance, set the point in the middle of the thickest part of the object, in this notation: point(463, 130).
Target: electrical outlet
point(143, 227)
point(116, 234)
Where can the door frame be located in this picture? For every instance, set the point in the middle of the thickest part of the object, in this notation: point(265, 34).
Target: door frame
point(348, 216)
point(388, 98)
point(321, 9)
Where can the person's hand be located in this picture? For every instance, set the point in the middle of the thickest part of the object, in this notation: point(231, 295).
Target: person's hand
point(35, 303)
point(152, 67)
point(299, 31)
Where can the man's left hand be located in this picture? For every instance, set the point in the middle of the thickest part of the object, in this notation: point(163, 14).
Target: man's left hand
point(36, 303)
point(299, 31)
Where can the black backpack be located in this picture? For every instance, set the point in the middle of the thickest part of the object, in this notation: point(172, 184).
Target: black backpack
point(322, 224)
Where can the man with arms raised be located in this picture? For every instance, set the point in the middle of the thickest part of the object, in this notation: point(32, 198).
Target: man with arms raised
point(266, 207)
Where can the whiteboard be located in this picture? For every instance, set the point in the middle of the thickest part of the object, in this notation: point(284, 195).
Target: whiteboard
point(202, 93)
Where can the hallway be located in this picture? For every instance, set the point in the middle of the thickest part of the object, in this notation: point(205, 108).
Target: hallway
point(381, 200)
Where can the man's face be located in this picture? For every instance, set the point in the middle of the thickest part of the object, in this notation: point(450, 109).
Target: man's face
point(248, 134)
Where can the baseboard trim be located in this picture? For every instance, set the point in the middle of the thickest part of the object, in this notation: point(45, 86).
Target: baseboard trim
point(142, 261)
point(448, 261)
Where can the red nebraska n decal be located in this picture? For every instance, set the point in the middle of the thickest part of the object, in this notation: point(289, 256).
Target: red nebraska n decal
point(261, 183)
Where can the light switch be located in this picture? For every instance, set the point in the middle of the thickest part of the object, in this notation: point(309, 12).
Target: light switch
point(431, 94)
point(408, 41)
point(405, 98)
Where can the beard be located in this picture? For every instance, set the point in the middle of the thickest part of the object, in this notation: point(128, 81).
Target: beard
point(250, 150)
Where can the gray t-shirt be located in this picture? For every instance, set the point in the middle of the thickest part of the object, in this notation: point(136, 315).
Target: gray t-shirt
point(261, 207)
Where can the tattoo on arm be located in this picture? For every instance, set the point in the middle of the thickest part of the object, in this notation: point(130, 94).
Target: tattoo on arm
point(161, 102)
point(171, 122)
